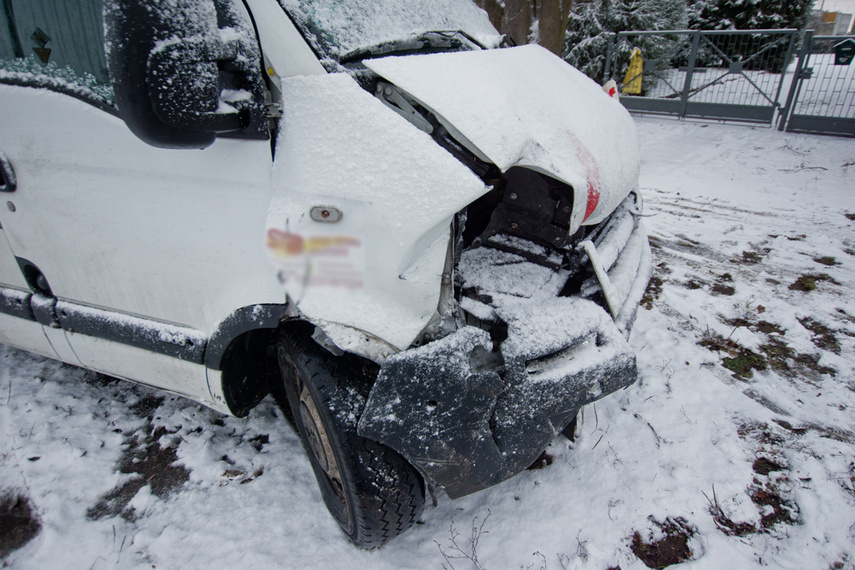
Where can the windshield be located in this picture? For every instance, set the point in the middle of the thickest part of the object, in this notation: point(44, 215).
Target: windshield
point(335, 28)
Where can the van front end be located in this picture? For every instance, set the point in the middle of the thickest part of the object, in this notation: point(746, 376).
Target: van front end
point(484, 248)
point(538, 340)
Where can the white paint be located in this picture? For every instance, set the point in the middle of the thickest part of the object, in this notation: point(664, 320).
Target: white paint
point(397, 191)
point(281, 42)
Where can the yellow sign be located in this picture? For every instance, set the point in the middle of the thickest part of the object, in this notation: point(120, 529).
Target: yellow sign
point(632, 79)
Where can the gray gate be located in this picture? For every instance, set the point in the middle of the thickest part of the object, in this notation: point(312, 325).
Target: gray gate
point(822, 96)
point(737, 75)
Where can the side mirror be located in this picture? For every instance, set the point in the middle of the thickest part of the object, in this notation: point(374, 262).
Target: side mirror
point(184, 71)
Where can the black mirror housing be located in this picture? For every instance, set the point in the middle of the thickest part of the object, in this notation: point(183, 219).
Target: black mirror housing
point(169, 67)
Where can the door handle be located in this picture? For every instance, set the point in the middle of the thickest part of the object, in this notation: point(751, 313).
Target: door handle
point(8, 182)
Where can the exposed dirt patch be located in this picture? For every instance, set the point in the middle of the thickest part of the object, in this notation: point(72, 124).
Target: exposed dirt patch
point(151, 464)
point(146, 406)
point(774, 508)
point(850, 216)
point(784, 359)
point(811, 361)
point(721, 289)
point(764, 327)
point(789, 427)
point(744, 363)
point(779, 354)
point(259, 441)
point(721, 286)
point(764, 466)
point(826, 260)
point(741, 361)
point(752, 257)
point(654, 290)
point(671, 548)
point(18, 522)
point(768, 328)
point(823, 337)
point(776, 353)
point(695, 284)
point(772, 487)
point(808, 282)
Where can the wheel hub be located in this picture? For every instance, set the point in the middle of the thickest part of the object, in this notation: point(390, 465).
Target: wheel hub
point(320, 444)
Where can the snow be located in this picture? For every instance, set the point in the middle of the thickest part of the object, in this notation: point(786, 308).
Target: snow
point(342, 27)
point(686, 435)
point(31, 71)
point(396, 210)
point(521, 106)
point(166, 332)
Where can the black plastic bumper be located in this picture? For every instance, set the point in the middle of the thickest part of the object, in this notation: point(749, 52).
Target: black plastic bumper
point(469, 411)
point(466, 427)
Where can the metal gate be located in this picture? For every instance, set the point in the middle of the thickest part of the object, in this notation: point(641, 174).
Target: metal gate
point(729, 74)
point(822, 96)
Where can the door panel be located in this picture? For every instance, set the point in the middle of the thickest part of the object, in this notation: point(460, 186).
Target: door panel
point(174, 236)
point(25, 334)
point(10, 273)
point(171, 235)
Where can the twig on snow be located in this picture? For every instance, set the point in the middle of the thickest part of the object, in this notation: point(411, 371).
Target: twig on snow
point(471, 553)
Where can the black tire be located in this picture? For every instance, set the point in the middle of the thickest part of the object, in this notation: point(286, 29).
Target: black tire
point(371, 491)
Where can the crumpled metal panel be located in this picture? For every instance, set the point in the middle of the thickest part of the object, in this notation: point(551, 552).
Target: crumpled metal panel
point(433, 405)
point(466, 421)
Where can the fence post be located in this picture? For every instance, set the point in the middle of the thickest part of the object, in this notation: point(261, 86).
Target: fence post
point(609, 54)
point(790, 45)
point(13, 29)
point(796, 84)
point(690, 71)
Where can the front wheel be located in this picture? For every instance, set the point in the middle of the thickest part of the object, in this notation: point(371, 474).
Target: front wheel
point(371, 491)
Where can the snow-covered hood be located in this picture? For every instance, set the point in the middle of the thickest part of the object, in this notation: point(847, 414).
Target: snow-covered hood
point(524, 106)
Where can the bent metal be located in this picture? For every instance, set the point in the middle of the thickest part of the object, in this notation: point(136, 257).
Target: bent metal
point(424, 242)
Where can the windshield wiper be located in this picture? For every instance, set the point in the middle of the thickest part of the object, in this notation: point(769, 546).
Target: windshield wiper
point(427, 42)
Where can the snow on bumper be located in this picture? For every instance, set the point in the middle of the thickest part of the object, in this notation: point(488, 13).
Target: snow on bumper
point(467, 425)
point(619, 252)
point(471, 410)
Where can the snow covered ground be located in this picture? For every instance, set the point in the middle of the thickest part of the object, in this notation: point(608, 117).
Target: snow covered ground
point(735, 449)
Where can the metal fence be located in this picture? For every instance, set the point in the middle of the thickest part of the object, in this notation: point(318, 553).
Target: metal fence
point(822, 95)
point(739, 75)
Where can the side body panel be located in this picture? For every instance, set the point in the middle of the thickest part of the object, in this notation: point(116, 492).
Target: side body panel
point(113, 224)
point(376, 265)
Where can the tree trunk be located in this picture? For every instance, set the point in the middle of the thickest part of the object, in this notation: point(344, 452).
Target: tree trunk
point(516, 18)
point(552, 19)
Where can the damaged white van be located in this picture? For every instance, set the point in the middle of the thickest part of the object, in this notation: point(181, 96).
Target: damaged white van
point(424, 241)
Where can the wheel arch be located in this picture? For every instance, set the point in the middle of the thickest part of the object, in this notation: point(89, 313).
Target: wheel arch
point(242, 350)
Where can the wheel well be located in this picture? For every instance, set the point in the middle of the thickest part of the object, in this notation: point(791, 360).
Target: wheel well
point(248, 362)
point(250, 369)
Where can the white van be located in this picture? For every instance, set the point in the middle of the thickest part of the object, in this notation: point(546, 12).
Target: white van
point(423, 240)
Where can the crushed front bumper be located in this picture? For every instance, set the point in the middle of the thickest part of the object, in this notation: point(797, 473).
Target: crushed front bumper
point(470, 410)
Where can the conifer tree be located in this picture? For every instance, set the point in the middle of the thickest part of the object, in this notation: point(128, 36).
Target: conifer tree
point(592, 21)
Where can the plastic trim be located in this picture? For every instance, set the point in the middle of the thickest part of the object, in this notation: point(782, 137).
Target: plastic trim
point(245, 319)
